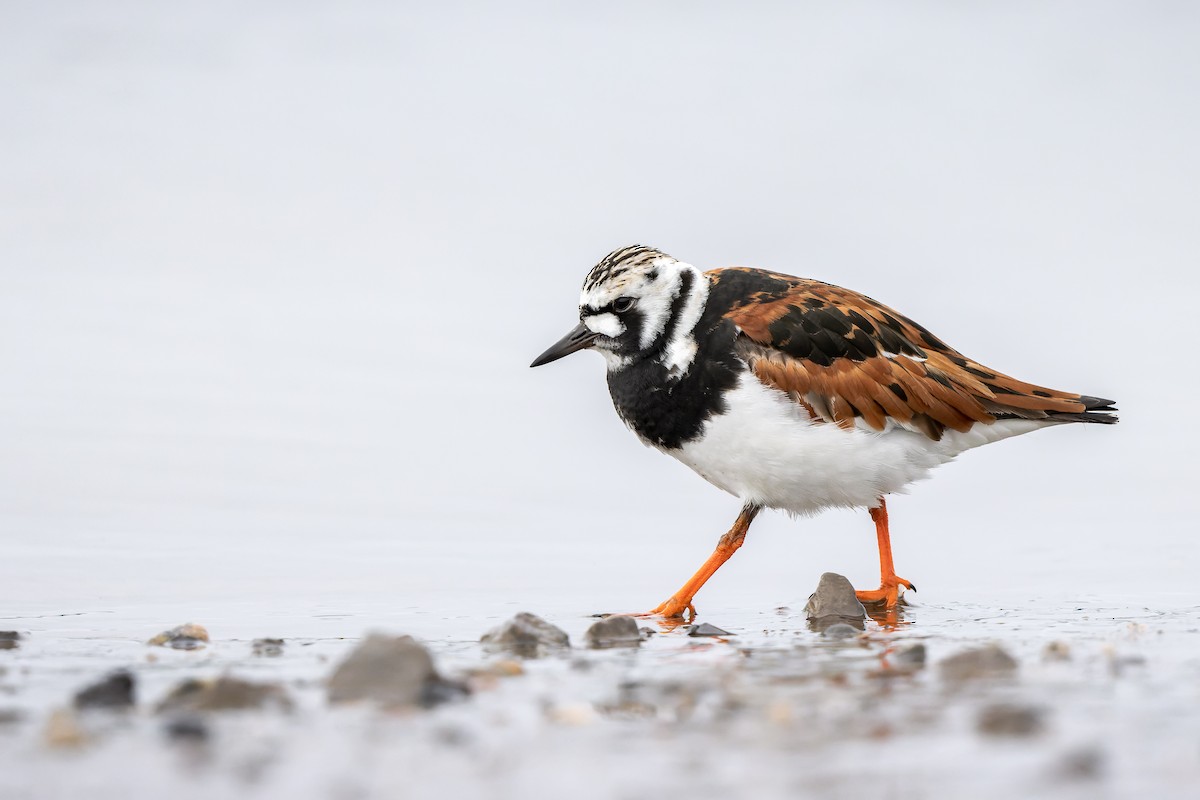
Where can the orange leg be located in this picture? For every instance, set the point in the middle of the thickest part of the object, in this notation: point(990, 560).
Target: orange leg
point(888, 593)
point(681, 601)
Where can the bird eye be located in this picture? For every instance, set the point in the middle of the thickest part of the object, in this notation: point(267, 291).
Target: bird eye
point(623, 304)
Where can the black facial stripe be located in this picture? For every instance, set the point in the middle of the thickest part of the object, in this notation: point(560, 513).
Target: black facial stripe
point(686, 279)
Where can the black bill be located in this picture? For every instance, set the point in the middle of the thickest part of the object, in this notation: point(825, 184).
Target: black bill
point(579, 338)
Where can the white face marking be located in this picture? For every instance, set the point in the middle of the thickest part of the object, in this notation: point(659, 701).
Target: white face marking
point(604, 324)
point(655, 287)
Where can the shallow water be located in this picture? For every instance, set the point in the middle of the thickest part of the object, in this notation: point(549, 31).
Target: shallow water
point(769, 712)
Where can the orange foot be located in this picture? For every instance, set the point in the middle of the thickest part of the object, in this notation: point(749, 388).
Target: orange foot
point(887, 595)
point(671, 608)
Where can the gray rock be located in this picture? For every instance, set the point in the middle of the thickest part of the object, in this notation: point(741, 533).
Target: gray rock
point(614, 631)
point(391, 671)
point(1004, 719)
point(9, 640)
point(527, 636)
point(187, 728)
point(118, 690)
point(840, 630)
point(224, 694)
point(267, 647)
point(990, 661)
point(834, 603)
point(705, 629)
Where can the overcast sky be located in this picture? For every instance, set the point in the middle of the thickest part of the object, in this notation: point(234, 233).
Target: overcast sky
point(271, 277)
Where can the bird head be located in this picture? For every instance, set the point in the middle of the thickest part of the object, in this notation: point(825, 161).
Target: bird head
point(636, 303)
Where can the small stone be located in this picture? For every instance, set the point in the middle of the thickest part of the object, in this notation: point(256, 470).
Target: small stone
point(840, 630)
point(909, 658)
point(11, 716)
point(834, 602)
point(187, 728)
point(1082, 764)
point(614, 631)
point(705, 629)
point(9, 640)
point(224, 694)
point(1004, 719)
point(391, 671)
point(63, 730)
point(184, 637)
point(267, 647)
point(526, 635)
point(115, 691)
point(1056, 651)
point(990, 661)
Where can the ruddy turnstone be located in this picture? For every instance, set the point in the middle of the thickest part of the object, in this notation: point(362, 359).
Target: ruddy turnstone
point(793, 394)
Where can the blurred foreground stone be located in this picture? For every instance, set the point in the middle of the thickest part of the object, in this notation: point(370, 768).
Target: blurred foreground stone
point(9, 640)
point(393, 672)
point(526, 635)
point(614, 631)
point(63, 730)
point(267, 647)
point(115, 691)
point(1007, 719)
point(189, 636)
point(834, 602)
point(991, 661)
point(224, 694)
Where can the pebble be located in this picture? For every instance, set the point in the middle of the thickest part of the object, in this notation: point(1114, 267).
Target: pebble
point(834, 603)
point(705, 629)
point(991, 661)
point(189, 636)
point(226, 693)
point(391, 671)
point(1056, 651)
point(267, 647)
point(614, 631)
point(187, 728)
point(1005, 719)
point(527, 636)
point(118, 690)
point(9, 640)
point(909, 657)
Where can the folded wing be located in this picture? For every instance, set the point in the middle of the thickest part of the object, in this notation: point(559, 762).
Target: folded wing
point(847, 358)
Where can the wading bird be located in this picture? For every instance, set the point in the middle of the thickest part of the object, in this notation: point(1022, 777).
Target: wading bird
point(793, 394)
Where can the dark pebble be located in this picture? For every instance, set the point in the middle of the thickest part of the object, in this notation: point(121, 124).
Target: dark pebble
point(187, 729)
point(1004, 719)
point(705, 629)
point(9, 640)
point(116, 691)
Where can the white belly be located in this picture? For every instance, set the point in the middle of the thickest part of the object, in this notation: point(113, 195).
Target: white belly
point(766, 450)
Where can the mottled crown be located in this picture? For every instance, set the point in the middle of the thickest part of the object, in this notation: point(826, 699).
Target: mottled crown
point(619, 262)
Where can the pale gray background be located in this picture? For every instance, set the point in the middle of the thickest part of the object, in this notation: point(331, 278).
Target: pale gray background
point(270, 278)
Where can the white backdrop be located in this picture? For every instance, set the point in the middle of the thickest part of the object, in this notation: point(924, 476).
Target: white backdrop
point(270, 280)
